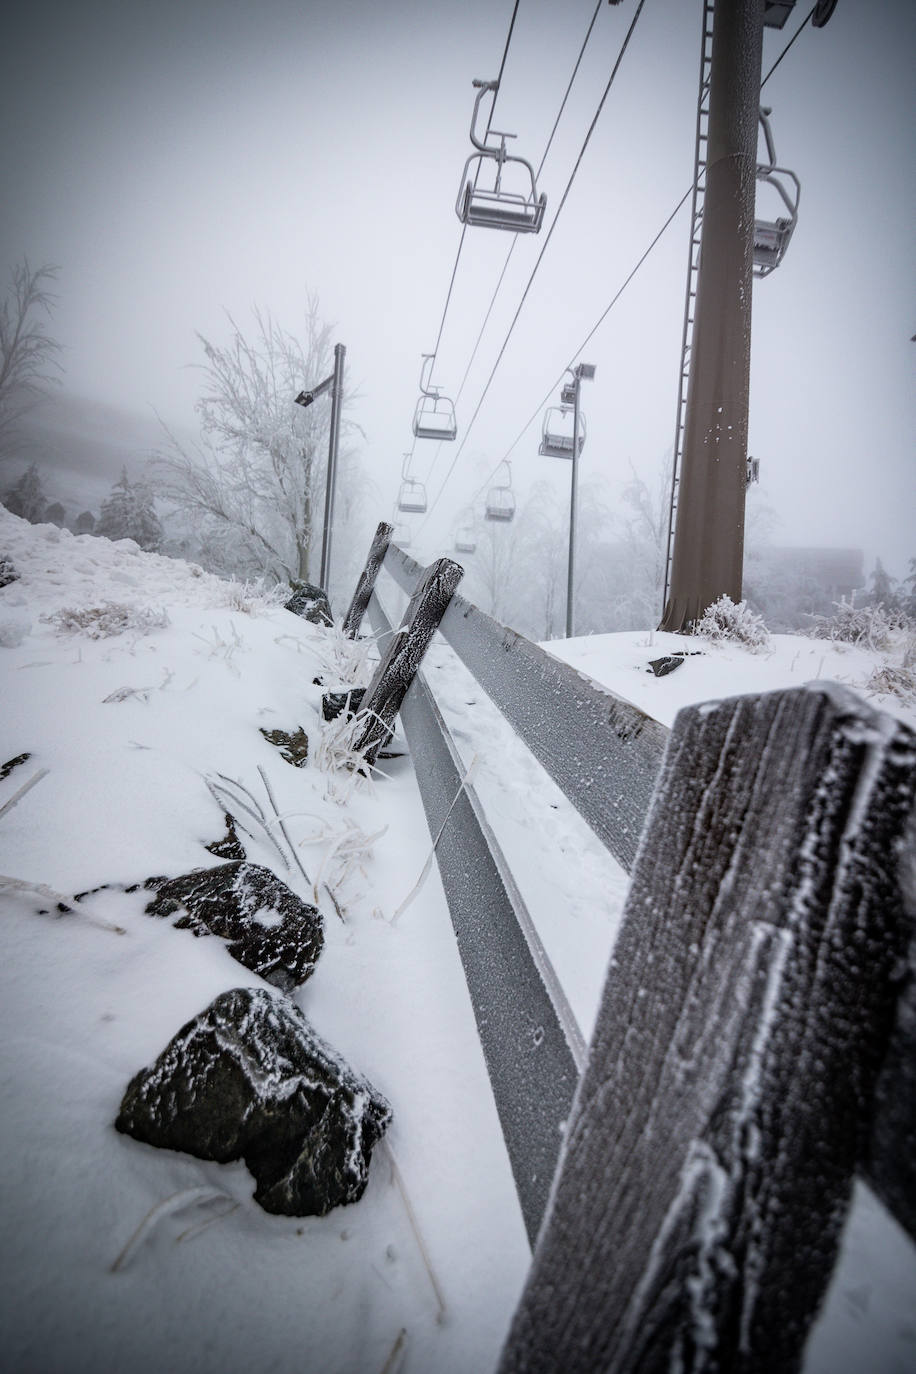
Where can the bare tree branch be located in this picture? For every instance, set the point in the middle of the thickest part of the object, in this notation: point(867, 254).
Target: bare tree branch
point(28, 355)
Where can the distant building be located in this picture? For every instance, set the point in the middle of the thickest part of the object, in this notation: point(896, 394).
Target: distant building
point(85, 523)
point(789, 585)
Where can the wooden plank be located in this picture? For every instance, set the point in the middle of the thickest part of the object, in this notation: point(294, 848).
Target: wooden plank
point(377, 550)
point(403, 656)
point(531, 1042)
point(731, 1079)
point(602, 751)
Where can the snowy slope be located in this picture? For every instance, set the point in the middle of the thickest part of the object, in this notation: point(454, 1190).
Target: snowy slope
point(120, 1256)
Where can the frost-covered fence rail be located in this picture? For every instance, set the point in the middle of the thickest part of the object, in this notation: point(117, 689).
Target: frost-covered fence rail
point(760, 1015)
point(732, 1076)
point(603, 752)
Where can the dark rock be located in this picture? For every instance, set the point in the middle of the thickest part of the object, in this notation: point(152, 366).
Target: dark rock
point(310, 602)
point(249, 1079)
point(294, 748)
point(268, 929)
point(8, 573)
point(230, 846)
point(349, 700)
point(661, 667)
point(7, 768)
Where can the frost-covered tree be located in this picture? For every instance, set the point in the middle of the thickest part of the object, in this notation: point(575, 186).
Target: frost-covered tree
point(908, 592)
point(254, 486)
point(55, 514)
point(26, 497)
point(881, 587)
point(28, 354)
point(129, 513)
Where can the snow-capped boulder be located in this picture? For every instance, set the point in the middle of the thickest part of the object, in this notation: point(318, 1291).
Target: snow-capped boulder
point(249, 1079)
point(310, 602)
point(268, 928)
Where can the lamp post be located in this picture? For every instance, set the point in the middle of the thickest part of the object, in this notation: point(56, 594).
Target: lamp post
point(581, 372)
point(334, 384)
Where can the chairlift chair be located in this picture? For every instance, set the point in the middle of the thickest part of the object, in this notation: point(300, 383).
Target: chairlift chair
point(501, 498)
point(412, 497)
point(521, 211)
point(411, 494)
point(465, 540)
point(400, 535)
point(434, 417)
point(557, 432)
point(771, 237)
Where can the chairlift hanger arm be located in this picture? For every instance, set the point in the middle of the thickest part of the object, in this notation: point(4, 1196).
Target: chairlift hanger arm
point(482, 88)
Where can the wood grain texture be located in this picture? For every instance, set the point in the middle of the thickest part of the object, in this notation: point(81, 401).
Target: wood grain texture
point(376, 557)
point(731, 1080)
point(403, 655)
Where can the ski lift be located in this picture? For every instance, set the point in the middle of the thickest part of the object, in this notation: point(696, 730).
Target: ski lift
point(501, 498)
point(400, 535)
point(412, 494)
point(520, 211)
point(434, 417)
point(771, 237)
point(465, 537)
point(557, 431)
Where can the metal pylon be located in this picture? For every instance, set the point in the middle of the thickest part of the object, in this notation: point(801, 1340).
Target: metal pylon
point(693, 264)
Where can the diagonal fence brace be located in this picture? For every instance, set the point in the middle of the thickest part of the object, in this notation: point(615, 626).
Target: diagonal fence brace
point(403, 656)
point(364, 587)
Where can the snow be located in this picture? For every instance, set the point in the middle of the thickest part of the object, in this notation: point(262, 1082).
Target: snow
point(121, 1256)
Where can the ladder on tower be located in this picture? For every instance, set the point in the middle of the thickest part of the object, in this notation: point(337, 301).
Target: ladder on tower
point(693, 267)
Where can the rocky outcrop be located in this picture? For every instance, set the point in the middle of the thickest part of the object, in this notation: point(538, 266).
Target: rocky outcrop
point(267, 927)
point(249, 1079)
point(310, 602)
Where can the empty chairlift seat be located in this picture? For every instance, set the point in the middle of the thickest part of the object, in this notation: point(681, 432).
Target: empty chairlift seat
point(771, 236)
point(498, 191)
point(434, 417)
point(412, 497)
point(465, 539)
point(501, 498)
point(557, 432)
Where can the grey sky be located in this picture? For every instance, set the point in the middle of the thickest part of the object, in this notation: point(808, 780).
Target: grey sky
point(177, 159)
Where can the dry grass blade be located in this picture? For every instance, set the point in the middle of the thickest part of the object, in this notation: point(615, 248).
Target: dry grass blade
point(26, 787)
point(280, 822)
point(415, 1227)
point(424, 872)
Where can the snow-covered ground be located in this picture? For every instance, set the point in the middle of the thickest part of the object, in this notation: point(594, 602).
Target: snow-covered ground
point(118, 1256)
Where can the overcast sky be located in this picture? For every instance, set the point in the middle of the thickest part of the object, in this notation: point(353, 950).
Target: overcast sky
point(184, 157)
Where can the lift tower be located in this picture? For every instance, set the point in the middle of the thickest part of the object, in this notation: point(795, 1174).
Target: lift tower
point(709, 535)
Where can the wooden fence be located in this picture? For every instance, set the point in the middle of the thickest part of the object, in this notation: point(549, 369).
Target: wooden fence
point(685, 1178)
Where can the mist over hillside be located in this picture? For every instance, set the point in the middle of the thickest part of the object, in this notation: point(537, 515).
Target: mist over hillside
point(79, 446)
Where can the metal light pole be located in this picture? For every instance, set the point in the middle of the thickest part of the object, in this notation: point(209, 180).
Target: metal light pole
point(334, 384)
point(586, 371)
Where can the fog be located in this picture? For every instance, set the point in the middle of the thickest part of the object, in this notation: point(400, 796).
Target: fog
point(182, 159)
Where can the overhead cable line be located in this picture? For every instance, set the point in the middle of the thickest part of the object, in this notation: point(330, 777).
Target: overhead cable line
point(451, 284)
point(603, 316)
point(540, 257)
point(496, 290)
point(788, 46)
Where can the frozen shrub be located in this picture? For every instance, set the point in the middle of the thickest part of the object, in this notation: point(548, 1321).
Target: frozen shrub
point(111, 618)
point(724, 620)
point(251, 598)
point(898, 680)
point(867, 625)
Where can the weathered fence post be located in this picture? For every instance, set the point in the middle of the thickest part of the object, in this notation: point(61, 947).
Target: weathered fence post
point(403, 656)
point(730, 1084)
point(377, 550)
